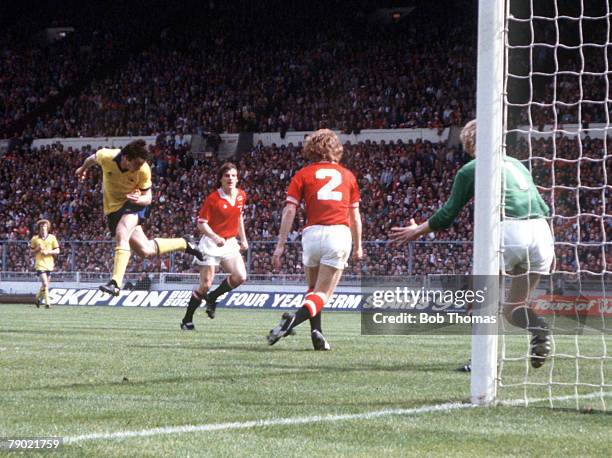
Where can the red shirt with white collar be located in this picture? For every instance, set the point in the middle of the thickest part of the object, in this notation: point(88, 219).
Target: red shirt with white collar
point(222, 213)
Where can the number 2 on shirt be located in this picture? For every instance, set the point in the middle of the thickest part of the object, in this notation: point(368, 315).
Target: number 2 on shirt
point(327, 191)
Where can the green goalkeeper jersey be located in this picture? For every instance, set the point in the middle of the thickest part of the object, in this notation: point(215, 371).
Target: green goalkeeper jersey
point(521, 197)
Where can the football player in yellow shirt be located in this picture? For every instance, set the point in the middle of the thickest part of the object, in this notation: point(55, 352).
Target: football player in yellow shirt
point(127, 193)
point(44, 246)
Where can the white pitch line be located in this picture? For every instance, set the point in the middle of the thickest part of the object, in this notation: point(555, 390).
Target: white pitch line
point(304, 420)
point(273, 422)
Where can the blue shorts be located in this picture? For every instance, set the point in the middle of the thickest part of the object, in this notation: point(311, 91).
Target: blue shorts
point(128, 208)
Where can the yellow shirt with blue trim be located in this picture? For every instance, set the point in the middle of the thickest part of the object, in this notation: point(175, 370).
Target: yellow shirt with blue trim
point(118, 183)
point(44, 262)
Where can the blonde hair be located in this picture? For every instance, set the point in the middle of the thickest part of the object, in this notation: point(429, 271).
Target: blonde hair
point(468, 137)
point(323, 145)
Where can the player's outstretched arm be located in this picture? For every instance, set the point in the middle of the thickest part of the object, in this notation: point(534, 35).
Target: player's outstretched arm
point(355, 220)
point(461, 192)
point(286, 223)
point(411, 232)
point(81, 172)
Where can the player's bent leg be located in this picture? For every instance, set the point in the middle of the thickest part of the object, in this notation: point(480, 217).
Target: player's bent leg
point(141, 245)
point(329, 251)
point(311, 279)
point(235, 266)
point(123, 232)
point(516, 310)
point(178, 244)
point(519, 314)
point(207, 273)
point(282, 329)
point(211, 298)
point(147, 248)
point(311, 274)
point(315, 322)
point(319, 342)
point(327, 279)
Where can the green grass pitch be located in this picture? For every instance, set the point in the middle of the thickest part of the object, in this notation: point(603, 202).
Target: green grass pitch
point(72, 371)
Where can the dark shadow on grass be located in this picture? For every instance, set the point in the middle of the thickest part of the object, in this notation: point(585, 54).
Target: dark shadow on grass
point(258, 348)
point(401, 367)
point(155, 381)
point(386, 404)
point(267, 371)
point(596, 409)
point(105, 397)
point(83, 330)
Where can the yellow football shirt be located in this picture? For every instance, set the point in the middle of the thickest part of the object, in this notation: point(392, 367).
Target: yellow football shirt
point(44, 262)
point(118, 183)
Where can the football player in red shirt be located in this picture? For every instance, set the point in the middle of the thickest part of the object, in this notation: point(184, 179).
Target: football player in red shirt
point(219, 221)
point(333, 223)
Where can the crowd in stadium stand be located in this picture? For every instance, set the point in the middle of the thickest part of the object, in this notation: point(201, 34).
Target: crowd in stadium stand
point(270, 77)
point(35, 70)
point(38, 65)
point(228, 71)
point(22, 86)
point(398, 181)
point(223, 70)
point(229, 88)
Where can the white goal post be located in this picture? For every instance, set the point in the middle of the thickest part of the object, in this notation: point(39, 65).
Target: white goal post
point(487, 202)
point(544, 97)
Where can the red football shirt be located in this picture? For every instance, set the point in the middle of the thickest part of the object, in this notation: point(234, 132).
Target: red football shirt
point(221, 213)
point(328, 190)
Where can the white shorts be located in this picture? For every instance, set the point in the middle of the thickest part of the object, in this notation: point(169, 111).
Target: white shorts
point(528, 244)
point(329, 245)
point(213, 254)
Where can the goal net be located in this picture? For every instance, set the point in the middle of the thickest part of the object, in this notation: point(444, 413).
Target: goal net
point(553, 62)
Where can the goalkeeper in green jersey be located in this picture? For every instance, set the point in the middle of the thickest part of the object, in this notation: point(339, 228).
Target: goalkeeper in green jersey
point(528, 242)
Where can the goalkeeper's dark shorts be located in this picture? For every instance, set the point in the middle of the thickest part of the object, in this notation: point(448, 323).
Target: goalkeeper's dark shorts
point(128, 208)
